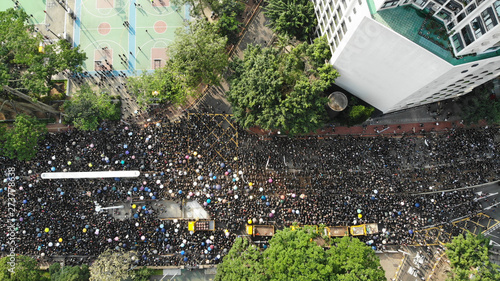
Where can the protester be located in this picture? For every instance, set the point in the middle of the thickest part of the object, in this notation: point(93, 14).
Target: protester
point(332, 181)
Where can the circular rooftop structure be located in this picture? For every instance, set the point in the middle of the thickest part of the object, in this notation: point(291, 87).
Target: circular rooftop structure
point(338, 101)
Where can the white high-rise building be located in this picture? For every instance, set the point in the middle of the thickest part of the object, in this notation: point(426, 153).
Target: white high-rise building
point(398, 54)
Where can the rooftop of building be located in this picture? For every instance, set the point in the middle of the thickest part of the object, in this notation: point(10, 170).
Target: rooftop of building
point(425, 31)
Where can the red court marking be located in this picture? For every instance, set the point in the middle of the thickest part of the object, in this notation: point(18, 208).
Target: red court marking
point(158, 54)
point(160, 26)
point(104, 28)
point(160, 3)
point(100, 57)
point(105, 4)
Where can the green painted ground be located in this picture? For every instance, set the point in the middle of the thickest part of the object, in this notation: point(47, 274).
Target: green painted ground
point(139, 46)
point(32, 7)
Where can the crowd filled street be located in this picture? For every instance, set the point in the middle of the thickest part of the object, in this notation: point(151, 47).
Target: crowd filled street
point(332, 180)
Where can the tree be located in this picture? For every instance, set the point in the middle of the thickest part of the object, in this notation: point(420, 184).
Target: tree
point(227, 7)
point(294, 18)
point(158, 87)
point(359, 113)
point(87, 109)
point(480, 105)
point(143, 274)
point(112, 266)
point(196, 6)
point(294, 254)
point(243, 262)
point(469, 258)
point(351, 259)
point(229, 27)
point(22, 66)
point(22, 269)
point(20, 141)
point(280, 91)
point(297, 255)
point(69, 273)
point(198, 54)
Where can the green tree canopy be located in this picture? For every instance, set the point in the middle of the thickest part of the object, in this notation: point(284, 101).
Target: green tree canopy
point(20, 141)
point(297, 255)
point(143, 274)
point(280, 91)
point(480, 105)
point(294, 18)
point(22, 66)
point(112, 266)
point(196, 6)
point(86, 109)
point(228, 26)
point(25, 269)
point(69, 273)
point(243, 262)
point(198, 54)
point(161, 86)
point(469, 258)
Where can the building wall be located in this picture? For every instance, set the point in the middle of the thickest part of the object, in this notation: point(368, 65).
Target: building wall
point(337, 19)
point(389, 71)
point(459, 80)
point(384, 68)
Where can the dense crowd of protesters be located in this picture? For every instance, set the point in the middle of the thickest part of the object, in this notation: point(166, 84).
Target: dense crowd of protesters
point(335, 181)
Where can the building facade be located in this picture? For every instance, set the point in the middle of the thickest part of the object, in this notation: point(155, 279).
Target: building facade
point(398, 54)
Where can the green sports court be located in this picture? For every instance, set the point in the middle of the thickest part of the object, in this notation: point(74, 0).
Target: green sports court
point(100, 32)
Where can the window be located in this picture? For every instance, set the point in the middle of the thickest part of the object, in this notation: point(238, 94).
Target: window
point(471, 8)
point(390, 3)
point(497, 7)
point(477, 27)
point(489, 18)
point(344, 27)
point(467, 35)
point(457, 42)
